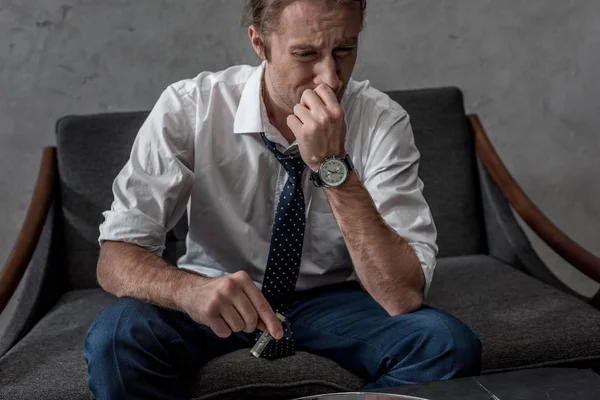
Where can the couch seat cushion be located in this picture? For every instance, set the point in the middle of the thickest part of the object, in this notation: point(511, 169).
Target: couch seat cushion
point(48, 363)
point(307, 375)
point(522, 323)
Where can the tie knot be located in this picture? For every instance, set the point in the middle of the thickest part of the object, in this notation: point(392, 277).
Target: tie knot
point(292, 163)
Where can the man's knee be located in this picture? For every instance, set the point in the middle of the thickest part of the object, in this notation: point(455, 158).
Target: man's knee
point(450, 339)
point(127, 322)
point(440, 344)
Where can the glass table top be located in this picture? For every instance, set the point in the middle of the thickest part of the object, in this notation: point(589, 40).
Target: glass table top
point(360, 396)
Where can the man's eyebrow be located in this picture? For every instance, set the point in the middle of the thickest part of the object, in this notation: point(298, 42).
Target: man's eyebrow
point(304, 47)
point(351, 41)
point(346, 42)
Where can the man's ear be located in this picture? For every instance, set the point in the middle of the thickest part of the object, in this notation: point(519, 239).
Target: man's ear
point(257, 41)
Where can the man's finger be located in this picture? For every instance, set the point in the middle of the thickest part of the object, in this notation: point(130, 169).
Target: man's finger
point(327, 95)
point(244, 307)
point(302, 113)
point(220, 327)
point(264, 310)
point(261, 326)
point(311, 101)
point(233, 318)
point(294, 124)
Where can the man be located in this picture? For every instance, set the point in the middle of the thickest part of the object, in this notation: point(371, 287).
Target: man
point(303, 198)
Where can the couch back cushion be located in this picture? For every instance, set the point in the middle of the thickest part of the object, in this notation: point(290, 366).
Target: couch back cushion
point(92, 150)
point(448, 167)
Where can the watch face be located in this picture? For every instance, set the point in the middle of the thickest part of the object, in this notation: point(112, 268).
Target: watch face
point(333, 172)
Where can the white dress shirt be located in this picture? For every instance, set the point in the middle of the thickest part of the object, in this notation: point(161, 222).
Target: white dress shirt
point(201, 149)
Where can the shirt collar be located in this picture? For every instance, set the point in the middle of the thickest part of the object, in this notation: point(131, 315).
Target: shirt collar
point(248, 118)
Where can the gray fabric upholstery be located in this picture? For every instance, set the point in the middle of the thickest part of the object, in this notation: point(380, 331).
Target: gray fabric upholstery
point(239, 375)
point(13, 319)
point(448, 168)
point(506, 240)
point(48, 363)
point(520, 321)
point(91, 151)
point(36, 292)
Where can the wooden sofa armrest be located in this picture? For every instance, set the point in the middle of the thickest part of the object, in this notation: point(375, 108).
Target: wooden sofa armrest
point(570, 251)
point(28, 237)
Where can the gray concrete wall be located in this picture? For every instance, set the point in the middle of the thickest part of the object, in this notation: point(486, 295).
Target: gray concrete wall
point(529, 68)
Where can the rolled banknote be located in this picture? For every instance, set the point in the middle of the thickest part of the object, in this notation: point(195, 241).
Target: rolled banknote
point(264, 340)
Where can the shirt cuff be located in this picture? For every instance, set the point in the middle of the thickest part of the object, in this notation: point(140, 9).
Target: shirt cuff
point(133, 227)
point(428, 262)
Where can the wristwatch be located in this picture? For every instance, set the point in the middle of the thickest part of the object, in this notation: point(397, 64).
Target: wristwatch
point(332, 172)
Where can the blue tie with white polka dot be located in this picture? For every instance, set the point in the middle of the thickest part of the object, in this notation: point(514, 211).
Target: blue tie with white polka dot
point(287, 236)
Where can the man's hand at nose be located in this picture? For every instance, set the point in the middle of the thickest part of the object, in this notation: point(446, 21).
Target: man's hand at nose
point(319, 126)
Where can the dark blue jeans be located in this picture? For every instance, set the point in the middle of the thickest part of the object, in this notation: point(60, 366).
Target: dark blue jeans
point(131, 342)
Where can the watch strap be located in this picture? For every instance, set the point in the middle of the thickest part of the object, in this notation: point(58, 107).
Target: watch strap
point(348, 161)
point(316, 179)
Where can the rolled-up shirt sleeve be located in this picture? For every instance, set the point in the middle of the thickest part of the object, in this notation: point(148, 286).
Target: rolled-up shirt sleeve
point(152, 190)
point(391, 177)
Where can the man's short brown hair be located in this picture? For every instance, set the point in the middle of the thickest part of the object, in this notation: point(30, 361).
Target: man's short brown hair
point(264, 15)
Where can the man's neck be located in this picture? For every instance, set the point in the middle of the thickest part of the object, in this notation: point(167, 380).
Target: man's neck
point(277, 112)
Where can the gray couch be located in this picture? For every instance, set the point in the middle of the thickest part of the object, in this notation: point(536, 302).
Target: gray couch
point(487, 275)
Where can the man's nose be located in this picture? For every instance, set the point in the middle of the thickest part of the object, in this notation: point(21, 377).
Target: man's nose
point(327, 73)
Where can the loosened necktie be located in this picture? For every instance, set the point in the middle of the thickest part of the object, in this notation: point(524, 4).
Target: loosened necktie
point(285, 253)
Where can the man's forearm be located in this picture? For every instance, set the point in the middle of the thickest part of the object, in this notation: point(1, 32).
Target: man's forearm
point(385, 263)
point(129, 270)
